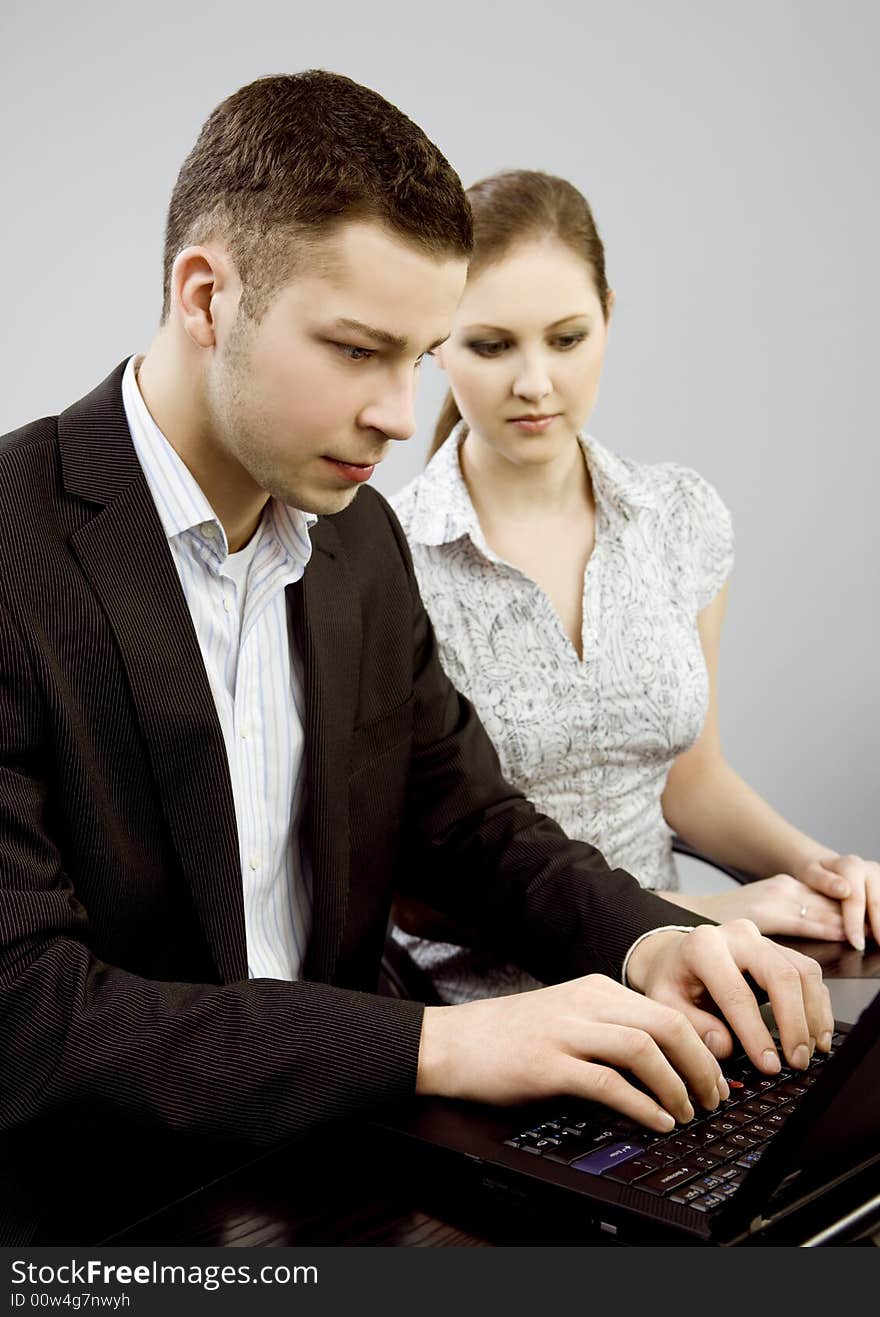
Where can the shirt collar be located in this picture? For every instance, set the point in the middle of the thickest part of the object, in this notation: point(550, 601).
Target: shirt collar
point(443, 511)
point(180, 500)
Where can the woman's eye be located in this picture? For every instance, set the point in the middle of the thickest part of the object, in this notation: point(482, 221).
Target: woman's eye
point(488, 347)
point(354, 353)
point(567, 341)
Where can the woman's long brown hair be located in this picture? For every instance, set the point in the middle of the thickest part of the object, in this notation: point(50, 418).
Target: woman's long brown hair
point(510, 208)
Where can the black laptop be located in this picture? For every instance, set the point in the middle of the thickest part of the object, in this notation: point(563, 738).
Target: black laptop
point(777, 1151)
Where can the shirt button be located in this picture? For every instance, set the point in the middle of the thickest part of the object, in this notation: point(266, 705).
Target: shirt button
point(244, 732)
point(227, 604)
point(208, 529)
point(254, 862)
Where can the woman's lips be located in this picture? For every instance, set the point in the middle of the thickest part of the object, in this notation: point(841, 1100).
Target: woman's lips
point(533, 424)
point(351, 470)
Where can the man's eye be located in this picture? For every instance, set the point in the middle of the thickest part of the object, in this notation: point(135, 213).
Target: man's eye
point(488, 347)
point(354, 353)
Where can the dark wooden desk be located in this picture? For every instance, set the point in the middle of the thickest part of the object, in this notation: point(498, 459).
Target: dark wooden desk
point(346, 1186)
point(349, 1187)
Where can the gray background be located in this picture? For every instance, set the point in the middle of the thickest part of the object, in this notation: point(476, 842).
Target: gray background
point(729, 153)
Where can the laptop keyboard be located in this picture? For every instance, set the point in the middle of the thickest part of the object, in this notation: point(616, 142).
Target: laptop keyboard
point(700, 1164)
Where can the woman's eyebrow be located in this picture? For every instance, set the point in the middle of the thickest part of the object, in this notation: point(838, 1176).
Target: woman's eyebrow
point(499, 329)
point(575, 315)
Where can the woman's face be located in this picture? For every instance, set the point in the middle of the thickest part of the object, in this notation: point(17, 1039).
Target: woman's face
point(526, 350)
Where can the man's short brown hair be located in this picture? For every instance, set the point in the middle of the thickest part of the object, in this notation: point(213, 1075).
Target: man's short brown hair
point(294, 156)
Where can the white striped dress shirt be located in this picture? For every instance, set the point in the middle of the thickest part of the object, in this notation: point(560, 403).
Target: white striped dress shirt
point(240, 614)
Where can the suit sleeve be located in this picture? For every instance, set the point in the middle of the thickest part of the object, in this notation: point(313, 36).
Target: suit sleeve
point(255, 1061)
point(479, 851)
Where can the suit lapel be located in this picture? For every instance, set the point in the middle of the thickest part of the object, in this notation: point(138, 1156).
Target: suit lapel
point(124, 554)
point(327, 619)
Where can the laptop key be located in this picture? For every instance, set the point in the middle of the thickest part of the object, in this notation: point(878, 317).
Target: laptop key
point(687, 1194)
point(757, 1107)
point(681, 1145)
point(738, 1116)
point(792, 1088)
point(771, 1097)
point(602, 1160)
point(629, 1172)
point(703, 1135)
point(668, 1178)
point(708, 1202)
point(759, 1129)
point(722, 1126)
point(740, 1140)
point(722, 1148)
point(750, 1159)
point(567, 1152)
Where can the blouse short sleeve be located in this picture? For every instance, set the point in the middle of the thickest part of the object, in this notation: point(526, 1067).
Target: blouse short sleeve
point(699, 534)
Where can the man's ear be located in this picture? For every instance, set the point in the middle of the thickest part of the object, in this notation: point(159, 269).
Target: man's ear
point(612, 298)
point(203, 280)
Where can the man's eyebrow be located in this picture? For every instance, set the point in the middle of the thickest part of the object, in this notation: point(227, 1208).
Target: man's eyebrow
point(382, 336)
point(369, 331)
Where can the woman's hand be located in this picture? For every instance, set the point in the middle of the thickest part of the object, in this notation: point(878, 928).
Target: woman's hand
point(854, 884)
point(779, 905)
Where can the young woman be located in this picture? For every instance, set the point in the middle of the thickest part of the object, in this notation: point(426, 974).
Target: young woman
point(578, 597)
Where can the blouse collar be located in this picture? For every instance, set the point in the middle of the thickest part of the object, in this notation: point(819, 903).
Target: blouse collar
point(443, 511)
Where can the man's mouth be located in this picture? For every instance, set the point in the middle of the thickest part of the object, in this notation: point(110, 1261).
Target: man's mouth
point(354, 471)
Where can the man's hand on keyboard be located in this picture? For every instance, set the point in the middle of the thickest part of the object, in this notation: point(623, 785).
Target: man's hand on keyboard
point(686, 970)
point(562, 1040)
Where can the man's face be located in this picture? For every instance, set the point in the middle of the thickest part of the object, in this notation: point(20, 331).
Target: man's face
point(308, 399)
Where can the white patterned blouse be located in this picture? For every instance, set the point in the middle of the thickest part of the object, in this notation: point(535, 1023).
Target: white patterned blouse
point(590, 741)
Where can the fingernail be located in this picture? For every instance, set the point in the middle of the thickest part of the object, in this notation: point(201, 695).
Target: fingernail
point(801, 1058)
point(687, 1113)
point(840, 890)
point(664, 1120)
point(772, 1062)
point(812, 1046)
point(714, 1042)
point(825, 1042)
point(723, 1089)
point(859, 943)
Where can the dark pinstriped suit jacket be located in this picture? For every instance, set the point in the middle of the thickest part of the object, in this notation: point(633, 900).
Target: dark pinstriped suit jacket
point(123, 980)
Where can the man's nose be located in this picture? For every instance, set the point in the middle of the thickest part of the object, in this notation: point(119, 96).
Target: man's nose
point(393, 413)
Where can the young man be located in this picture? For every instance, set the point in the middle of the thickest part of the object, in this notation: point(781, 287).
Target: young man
point(225, 739)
